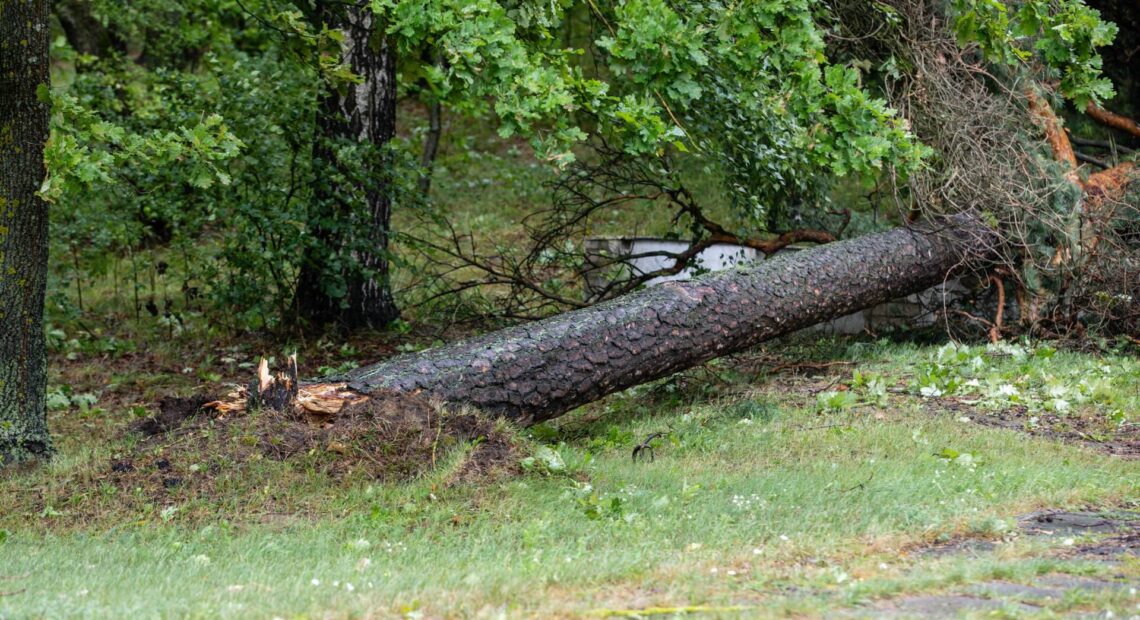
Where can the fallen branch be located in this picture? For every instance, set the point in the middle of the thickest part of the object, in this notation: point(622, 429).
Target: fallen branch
point(995, 329)
point(1045, 118)
point(861, 485)
point(1100, 144)
point(718, 233)
point(1089, 159)
point(1112, 119)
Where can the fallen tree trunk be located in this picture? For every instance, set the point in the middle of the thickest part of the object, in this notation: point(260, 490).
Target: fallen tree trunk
point(540, 370)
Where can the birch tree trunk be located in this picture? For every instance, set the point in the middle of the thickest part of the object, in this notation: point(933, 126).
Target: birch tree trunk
point(345, 274)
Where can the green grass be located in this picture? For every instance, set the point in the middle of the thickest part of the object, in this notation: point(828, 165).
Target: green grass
point(758, 498)
point(773, 494)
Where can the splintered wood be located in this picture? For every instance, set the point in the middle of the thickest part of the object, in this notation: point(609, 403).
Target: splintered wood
point(283, 392)
point(274, 391)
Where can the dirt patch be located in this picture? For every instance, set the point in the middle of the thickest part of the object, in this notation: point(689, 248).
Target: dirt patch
point(173, 412)
point(1116, 533)
point(1120, 528)
point(388, 436)
point(1113, 548)
point(944, 606)
point(1121, 441)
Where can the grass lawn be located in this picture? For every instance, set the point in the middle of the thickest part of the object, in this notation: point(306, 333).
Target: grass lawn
point(798, 492)
point(811, 476)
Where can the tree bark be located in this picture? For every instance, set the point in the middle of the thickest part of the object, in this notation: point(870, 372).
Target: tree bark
point(85, 33)
point(541, 370)
point(23, 230)
point(345, 273)
point(1111, 119)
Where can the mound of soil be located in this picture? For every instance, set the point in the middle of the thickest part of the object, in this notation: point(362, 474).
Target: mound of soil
point(386, 436)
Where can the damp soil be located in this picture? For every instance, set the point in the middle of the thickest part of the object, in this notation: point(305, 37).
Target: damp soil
point(1114, 535)
point(389, 437)
point(1094, 432)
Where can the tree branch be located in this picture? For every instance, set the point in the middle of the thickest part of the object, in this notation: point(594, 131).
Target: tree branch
point(1112, 119)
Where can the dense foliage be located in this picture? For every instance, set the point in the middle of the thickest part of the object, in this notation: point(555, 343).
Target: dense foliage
point(183, 134)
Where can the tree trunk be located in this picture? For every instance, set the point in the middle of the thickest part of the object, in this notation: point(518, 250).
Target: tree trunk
point(84, 31)
point(23, 230)
point(431, 146)
point(541, 370)
point(344, 273)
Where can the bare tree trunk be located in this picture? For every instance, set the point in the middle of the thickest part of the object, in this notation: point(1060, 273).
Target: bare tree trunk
point(431, 146)
point(23, 230)
point(345, 273)
point(541, 370)
point(84, 31)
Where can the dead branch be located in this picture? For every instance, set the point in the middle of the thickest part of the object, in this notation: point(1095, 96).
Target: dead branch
point(995, 328)
point(542, 273)
point(1100, 144)
point(1089, 159)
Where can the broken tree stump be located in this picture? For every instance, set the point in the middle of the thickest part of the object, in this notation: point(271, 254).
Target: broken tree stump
point(277, 392)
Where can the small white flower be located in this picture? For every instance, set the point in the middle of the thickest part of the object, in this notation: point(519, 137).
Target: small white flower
point(784, 538)
point(1068, 542)
point(713, 570)
point(316, 582)
point(756, 551)
point(348, 586)
point(883, 566)
point(731, 573)
point(964, 419)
